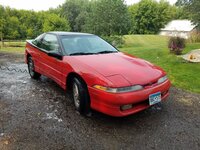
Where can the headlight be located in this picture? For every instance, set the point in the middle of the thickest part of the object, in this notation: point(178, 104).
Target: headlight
point(119, 90)
point(161, 80)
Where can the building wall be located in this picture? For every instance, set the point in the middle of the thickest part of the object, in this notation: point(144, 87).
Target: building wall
point(183, 34)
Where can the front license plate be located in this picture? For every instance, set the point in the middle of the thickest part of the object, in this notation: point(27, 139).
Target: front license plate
point(154, 98)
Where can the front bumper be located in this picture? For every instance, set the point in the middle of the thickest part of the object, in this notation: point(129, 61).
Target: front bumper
point(110, 104)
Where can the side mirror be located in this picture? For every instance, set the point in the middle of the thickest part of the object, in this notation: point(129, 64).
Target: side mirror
point(55, 55)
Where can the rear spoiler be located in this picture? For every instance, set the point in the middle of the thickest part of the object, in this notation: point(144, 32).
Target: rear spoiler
point(29, 41)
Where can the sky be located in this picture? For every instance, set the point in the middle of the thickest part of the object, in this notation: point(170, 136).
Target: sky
point(38, 5)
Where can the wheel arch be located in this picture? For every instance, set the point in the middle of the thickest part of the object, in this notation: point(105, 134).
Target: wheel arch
point(27, 56)
point(70, 77)
point(85, 102)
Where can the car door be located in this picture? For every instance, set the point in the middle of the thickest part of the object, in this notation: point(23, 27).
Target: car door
point(34, 50)
point(53, 67)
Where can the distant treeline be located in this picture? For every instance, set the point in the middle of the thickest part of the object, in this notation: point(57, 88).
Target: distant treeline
point(22, 24)
point(102, 17)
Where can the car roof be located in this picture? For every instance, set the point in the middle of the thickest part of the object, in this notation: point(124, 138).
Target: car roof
point(60, 33)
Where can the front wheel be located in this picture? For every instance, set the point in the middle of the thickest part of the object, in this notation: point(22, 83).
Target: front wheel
point(31, 69)
point(81, 97)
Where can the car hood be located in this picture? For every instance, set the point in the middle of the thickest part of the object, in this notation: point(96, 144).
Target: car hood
point(119, 66)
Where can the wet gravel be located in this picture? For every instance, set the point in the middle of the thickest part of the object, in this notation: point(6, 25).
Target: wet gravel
point(40, 115)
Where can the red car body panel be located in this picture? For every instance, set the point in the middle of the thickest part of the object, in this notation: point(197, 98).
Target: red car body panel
point(109, 103)
point(112, 70)
point(120, 67)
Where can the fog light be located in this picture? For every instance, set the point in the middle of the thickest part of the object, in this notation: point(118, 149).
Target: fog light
point(126, 107)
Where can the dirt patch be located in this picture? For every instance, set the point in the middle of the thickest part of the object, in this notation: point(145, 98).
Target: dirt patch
point(6, 58)
point(38, 114)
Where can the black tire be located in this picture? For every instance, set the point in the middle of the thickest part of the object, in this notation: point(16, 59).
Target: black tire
point(83, 106)
point(31, 69)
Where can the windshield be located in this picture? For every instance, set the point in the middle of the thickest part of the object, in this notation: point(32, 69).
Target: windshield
point(85, 45)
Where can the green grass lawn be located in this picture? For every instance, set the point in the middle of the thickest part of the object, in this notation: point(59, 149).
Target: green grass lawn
point(13, 47)
point(154, 49)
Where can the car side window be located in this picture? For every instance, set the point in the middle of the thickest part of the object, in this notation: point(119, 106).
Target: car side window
point(50, 43)
point(37, 41)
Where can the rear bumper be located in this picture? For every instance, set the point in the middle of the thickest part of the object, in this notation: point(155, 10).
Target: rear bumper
point(110, 104)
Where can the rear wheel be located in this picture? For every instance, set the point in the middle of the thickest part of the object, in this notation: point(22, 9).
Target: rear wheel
point(81, 97)
point(31, 69)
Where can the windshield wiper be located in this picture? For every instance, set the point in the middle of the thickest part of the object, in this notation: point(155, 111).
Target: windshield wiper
point(81, 53)
point(106, 52)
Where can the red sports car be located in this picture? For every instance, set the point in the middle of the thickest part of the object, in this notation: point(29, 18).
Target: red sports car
point(97, 74)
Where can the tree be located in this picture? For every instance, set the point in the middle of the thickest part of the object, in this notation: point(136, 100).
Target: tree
point(181, 10)
point(133, 11)
point(3, 24)
point(22, 24)
point(53, 22)
point(148, 16)
point(182, 2)
point(108, 17)
point(75, 11)
point(193, 6)
point(9, 24)
point(13, 27)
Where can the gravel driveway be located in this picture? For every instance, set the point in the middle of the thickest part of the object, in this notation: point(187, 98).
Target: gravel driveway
point(40, 115)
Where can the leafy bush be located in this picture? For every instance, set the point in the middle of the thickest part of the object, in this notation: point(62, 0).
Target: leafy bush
point(116, 41)
point(176, 45)
point(194, 37)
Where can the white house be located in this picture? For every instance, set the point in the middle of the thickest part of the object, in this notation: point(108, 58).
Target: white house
point(181, 28)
